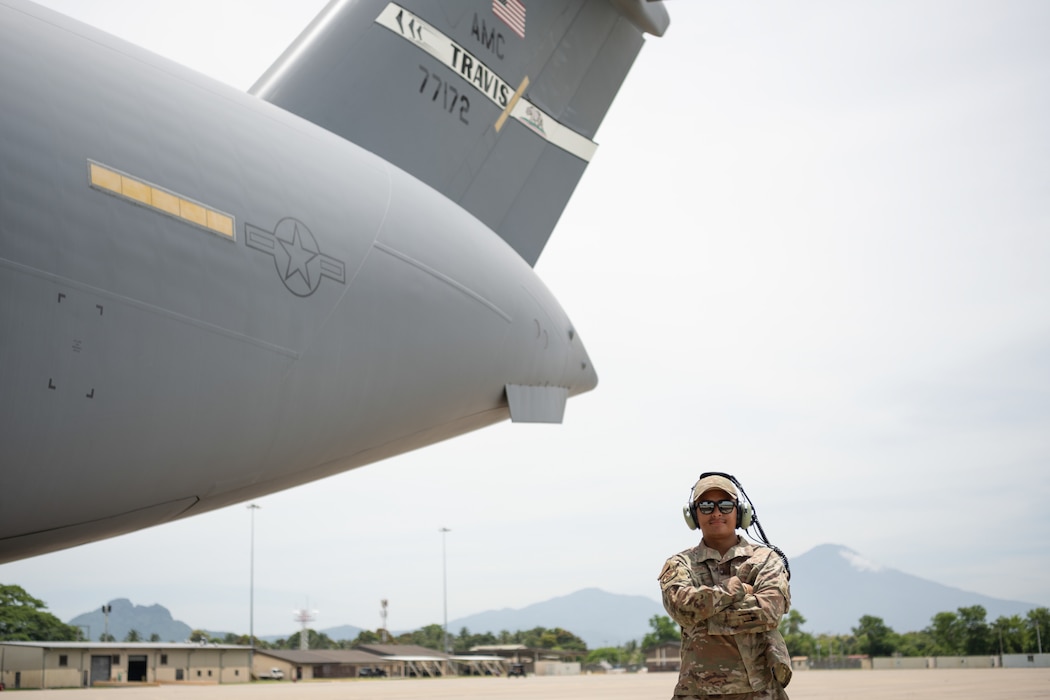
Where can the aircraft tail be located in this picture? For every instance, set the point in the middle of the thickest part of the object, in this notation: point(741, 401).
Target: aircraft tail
point(494, 103)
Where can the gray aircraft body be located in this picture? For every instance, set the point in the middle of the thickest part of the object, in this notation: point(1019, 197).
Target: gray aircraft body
point(207, 295)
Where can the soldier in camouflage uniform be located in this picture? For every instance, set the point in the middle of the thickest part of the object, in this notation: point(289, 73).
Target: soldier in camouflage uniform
point(727, 595)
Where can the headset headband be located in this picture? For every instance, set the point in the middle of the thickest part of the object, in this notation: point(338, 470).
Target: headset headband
point(750, 507)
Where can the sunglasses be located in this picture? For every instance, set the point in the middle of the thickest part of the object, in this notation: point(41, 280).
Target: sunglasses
point(708, 507)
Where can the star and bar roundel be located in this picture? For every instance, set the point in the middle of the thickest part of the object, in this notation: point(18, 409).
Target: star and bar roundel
point(298, 259)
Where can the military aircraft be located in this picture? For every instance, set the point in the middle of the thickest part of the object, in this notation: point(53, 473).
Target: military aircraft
point(207, 296)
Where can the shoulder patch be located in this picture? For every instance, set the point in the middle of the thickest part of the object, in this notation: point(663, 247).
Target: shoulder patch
point(668, 572)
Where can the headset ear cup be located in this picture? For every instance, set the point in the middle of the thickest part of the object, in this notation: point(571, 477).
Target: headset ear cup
point(690, 518)
point(744, 516)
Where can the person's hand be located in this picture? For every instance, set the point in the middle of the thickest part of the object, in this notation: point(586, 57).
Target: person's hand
point(737, 588)
point(748, 571)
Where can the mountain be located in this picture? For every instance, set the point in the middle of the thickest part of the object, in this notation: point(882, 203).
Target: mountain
point(600, 619)
point(342, 632)
point(124, 617)
point(833, 587)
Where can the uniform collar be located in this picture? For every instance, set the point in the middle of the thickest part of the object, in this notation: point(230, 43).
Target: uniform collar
point(742, 548)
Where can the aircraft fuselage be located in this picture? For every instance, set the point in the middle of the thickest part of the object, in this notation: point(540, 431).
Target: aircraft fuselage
point(204, 299)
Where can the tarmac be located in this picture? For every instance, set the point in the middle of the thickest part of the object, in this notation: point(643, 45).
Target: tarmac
point(934, 684)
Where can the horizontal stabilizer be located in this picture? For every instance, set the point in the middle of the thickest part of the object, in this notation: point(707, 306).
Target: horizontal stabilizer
point(537, 404)
point(493, 103)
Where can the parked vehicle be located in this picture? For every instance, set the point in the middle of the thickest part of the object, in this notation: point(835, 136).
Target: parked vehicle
point(368, 672)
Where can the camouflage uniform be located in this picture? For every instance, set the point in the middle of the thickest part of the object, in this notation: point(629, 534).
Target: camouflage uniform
point(730, 643)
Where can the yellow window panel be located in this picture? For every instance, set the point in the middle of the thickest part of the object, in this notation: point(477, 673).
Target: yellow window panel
point(220, 223)
point(193, 212)
point(160, 200)
point(106, 179)
point(165, 201)
point(136, 190)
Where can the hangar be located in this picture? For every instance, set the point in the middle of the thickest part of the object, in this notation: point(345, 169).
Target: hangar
point(84, 664)
point(42, 665)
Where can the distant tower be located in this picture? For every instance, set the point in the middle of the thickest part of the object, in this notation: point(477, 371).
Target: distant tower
point(106, 610)
point(382, 615)
point(304, 618)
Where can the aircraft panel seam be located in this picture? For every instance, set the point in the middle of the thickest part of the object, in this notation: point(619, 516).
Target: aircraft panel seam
point(357, 270)
point(173, 315)
point(444, 278)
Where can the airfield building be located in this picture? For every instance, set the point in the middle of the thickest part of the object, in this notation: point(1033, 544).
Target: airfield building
point(84, 664)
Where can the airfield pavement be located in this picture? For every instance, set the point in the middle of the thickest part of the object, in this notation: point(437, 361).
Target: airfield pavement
point(978, 684)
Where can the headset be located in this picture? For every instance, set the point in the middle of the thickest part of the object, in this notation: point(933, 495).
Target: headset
point(745, 514)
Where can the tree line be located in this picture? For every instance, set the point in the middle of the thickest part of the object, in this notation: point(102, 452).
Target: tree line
point(430, 636)
point(25, 618)
point(965, 632)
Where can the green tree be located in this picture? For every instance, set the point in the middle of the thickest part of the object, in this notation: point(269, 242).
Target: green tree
point(875, 637)
point(199, 637)
point(154, 637)
point(664, 629)
point(977, 635)
point(530, 638)
point(946, 633)
point(1037, 635)
point(832, 649)
point(916, 644)
point(431, 637)
point(632, 654)
point(314, 640)
point(614, 655)
point(562, 640)
point(367, 637)
point(543, 638)
point(24, 618)
point(799, 643)
point(465, 641)
point(1008, 633)
point(133, 636)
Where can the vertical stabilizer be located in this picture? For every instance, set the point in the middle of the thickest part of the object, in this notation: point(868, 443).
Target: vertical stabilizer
point(494, 103)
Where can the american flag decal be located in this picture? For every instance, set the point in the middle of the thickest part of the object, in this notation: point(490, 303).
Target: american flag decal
point(512, 13)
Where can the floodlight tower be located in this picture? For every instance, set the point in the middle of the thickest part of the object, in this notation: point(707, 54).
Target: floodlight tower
point(106, 610)
point(382, 616)
point(304, 617)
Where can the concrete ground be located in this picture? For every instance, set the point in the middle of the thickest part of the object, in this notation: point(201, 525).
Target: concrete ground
point(978, 684)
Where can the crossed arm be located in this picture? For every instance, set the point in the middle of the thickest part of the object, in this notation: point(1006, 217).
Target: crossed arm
point(751, 601)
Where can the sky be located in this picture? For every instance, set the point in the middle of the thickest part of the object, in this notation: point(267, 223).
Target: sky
point(812, 250)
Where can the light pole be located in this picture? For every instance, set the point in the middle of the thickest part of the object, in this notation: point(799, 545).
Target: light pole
point(444, 582)
point(251, 595)
point(106, 610)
